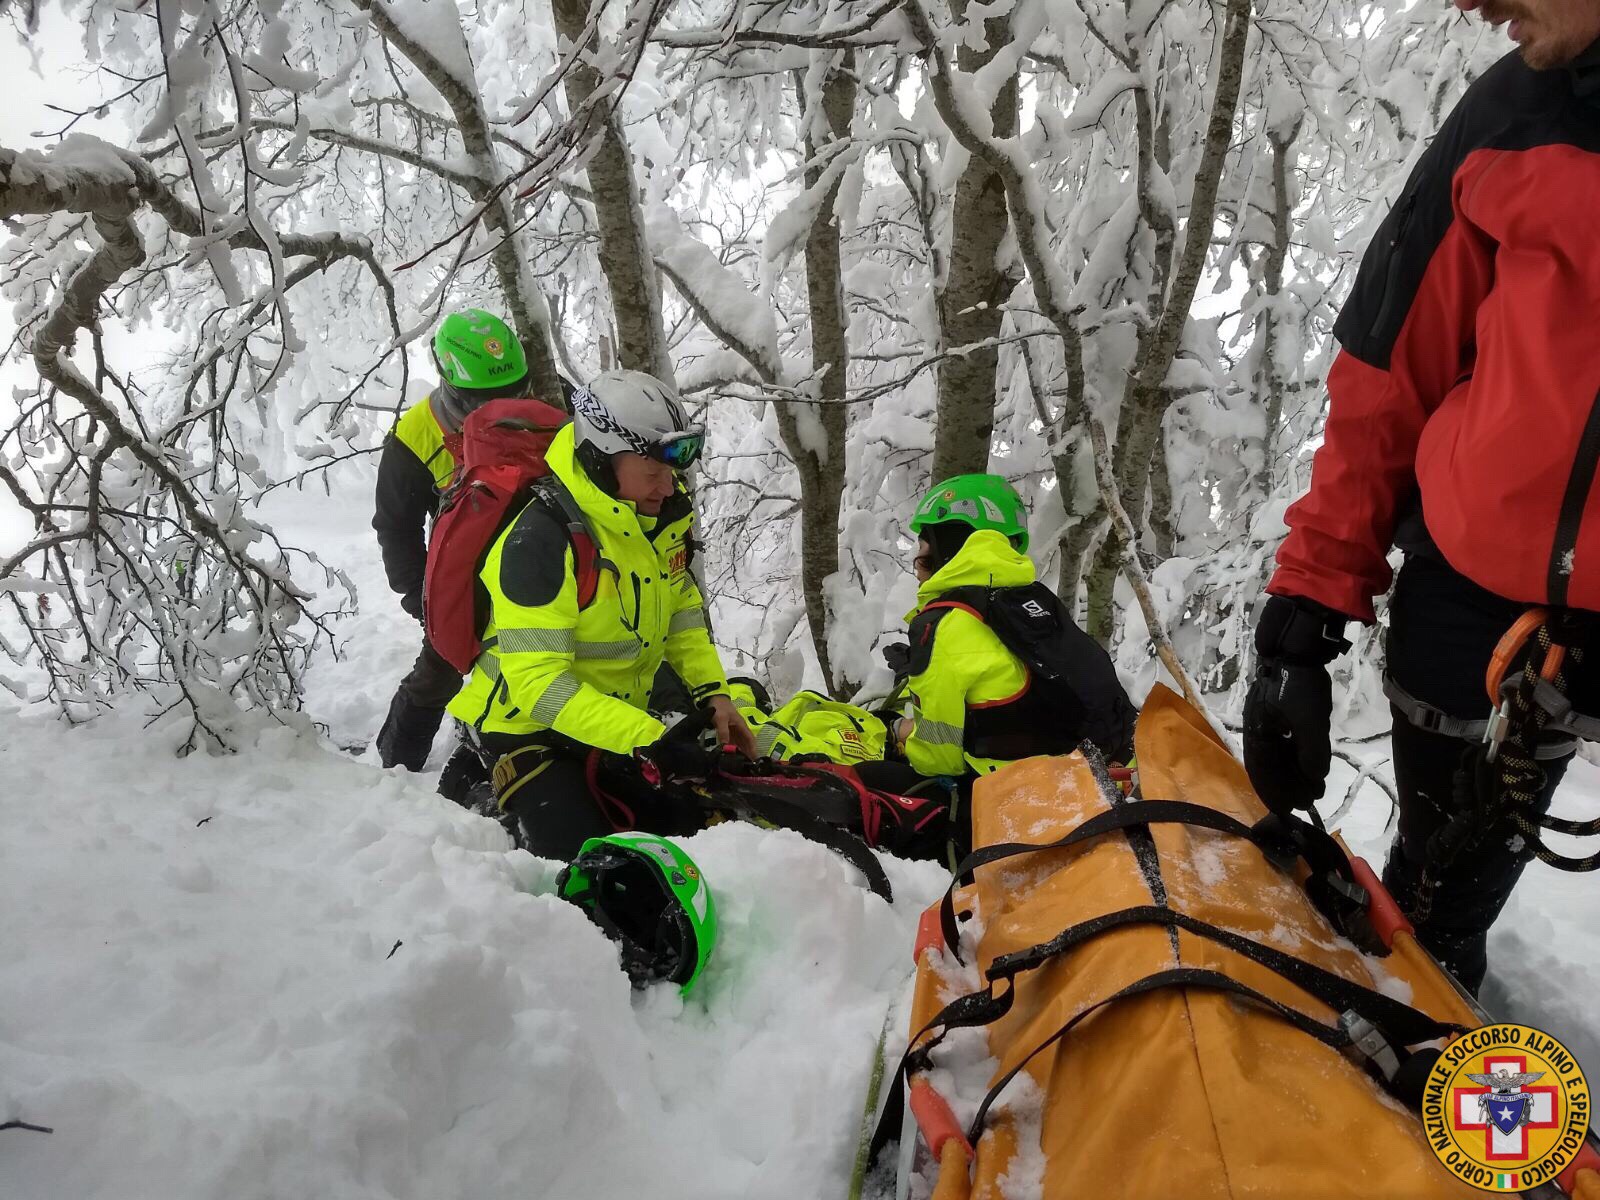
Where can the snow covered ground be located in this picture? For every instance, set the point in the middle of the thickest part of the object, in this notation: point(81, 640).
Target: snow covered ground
point(289, 973)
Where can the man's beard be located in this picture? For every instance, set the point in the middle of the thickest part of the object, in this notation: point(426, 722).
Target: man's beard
point(1540, 53)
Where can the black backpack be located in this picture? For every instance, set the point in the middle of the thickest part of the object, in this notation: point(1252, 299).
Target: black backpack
point(1073, 693)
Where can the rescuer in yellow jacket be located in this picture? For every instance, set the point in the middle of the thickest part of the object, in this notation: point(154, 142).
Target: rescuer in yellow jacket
point(997, 669)
point(558, 697)
point(479, 359)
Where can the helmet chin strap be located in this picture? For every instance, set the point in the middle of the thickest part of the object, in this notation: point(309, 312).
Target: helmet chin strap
point(596, 464)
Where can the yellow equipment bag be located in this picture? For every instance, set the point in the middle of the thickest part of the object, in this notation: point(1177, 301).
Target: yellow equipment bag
point(1171, 1056)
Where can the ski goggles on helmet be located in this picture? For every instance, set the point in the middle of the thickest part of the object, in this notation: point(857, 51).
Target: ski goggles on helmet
point(680, 451)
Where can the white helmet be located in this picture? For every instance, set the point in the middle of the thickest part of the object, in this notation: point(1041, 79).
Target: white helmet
point(630, 411)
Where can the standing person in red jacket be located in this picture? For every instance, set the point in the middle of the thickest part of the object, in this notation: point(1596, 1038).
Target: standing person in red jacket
point(1464, 428)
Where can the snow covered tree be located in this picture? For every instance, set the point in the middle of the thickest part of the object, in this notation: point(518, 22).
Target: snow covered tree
point(874, 241)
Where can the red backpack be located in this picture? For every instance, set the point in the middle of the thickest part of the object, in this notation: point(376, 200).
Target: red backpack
point(500, 466)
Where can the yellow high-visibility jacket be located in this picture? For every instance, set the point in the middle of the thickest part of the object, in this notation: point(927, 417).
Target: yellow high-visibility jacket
point(587, 675)
point(419, 431)
point(958, 662)
point(811, 723)
point(415, 467)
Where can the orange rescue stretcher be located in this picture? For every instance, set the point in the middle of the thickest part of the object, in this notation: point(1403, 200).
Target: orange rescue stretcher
point(1170, 1053)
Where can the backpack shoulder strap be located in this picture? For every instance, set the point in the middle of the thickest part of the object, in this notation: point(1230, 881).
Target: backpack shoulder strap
point(971, 600)
point(587, 559)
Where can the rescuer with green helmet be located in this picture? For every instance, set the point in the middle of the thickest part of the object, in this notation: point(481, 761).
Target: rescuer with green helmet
point(479, 359)
point(997, 668)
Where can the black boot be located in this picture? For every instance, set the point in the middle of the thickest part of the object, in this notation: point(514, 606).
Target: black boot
point(407, 733)
point(465, 778)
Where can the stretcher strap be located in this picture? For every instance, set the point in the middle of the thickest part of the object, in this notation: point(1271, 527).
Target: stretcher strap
point(1332, 884)
point(1332, 1036)
point(1399, 1025)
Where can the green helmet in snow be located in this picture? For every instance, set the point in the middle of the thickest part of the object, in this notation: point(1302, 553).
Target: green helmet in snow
point(981, 501)
point(476, 349)
point(648, 896)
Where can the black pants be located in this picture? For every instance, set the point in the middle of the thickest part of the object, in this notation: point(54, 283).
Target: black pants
point(568, 793)
point(417, 710)
point(1443, 628)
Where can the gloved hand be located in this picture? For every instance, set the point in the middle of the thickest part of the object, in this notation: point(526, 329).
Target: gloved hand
point(1289, 708)
point(676, 757)
point(897, 657)
point(411, 602)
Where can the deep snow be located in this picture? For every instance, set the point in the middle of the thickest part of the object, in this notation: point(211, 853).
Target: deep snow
point(289, 973)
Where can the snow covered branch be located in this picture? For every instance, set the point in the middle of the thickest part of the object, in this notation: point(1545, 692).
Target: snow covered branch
point(440, 54)
point(116, 485)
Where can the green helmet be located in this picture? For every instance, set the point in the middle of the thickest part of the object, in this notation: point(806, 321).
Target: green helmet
point(648, 896)
point(981, 501)
point(475, 349)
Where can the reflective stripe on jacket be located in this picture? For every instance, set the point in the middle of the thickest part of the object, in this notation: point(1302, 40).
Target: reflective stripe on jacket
point(587, 675)
point(811, 723)
point(964, 665)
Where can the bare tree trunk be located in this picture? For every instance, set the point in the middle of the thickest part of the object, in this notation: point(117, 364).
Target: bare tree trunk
point(1135, 576)
point(1062, 431)
point(624, 249)
point(970, 302)
point(1049, 284)
point(1269, 380)
point(814, 433)
point(1163, 532)
point(529, 312)
point(1146, 399)
point(1073, 546)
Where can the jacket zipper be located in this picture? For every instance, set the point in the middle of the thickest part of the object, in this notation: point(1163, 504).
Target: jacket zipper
point(1579, 484)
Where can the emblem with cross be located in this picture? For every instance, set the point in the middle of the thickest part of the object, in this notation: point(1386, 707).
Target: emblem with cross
point(1505, 1113)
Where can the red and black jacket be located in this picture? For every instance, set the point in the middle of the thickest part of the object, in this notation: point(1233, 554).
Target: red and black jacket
point(1469, 370)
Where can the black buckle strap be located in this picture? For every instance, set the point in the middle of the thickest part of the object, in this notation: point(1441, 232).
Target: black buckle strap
point(1400, 1023)
point(1136, 814)
point(1332, 885)
point(1377, 1025)
point(1335, 1037)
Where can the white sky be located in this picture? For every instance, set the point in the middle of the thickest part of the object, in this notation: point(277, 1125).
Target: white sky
point(50, 69)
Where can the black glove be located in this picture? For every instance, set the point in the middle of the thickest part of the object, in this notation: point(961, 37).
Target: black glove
point(897, 656)
point(412, 603)
point(1289, 708)
point(677, 757)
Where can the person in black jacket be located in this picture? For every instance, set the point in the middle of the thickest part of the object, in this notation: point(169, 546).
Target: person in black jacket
point(1463, 427)
point(479, 359)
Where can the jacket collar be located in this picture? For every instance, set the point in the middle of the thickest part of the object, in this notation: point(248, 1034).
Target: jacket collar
point(599, 506)
point(986, 559)
point(601, 509)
